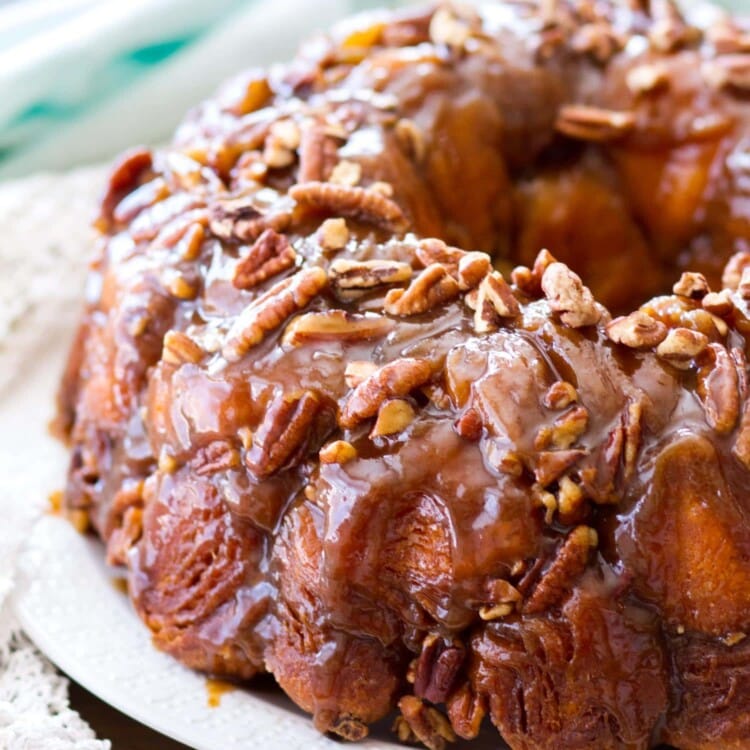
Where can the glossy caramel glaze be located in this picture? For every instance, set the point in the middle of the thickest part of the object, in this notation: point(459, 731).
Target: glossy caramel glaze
point(330, 444)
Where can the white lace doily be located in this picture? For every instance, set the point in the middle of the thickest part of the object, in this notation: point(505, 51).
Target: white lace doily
point(44, 241)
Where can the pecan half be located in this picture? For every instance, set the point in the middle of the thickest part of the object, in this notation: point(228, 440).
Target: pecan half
point(568, 297)
point(393, 380)
point(240, 219)
point(495, 301)
point(125, 175)
point(360, 203)
point(318, 152)
point(367, 274)
point(432, 287)
point(141, 198)
point(269, 255)
point(437, 667)
point(637, 330)
point(271, 309)
point(717, 386)
point(335, 325)
point(286, 431)
point(594, 124)
point(570, 561)
point(422, 723)
point(466, 711)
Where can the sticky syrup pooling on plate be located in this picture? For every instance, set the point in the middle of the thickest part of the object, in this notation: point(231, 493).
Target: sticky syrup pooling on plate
point(334, 437)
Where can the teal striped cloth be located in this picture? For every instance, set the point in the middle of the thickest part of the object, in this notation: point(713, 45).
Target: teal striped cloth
point(83, 79)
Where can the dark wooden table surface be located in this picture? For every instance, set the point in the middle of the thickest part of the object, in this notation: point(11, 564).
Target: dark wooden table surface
point(108, 723)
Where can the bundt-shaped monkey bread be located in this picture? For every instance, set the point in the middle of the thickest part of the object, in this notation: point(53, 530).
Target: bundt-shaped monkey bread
point(333, 436)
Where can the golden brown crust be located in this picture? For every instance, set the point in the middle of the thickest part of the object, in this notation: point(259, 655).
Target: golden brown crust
point(334, 436)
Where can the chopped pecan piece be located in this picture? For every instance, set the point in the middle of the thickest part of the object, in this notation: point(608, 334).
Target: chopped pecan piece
point(568, 297)
point(741, 447)
point(422, 723)
point(731, 71)
point(551, 465)
point(412, 139)
point(472, 268)
point(560, 395)
point(281, 144)
point(335, 325)
point(569, 563)
point(570, 498)
point(271, 309)
point(350, 728)
point(285, 433)
point(179, 287)
point(669, 30)
point(333, 234)
point(367, 274)
point(732, 275)
point(469, 425)
point(179, 349)
point(593, 123)
point(681, 346)
point(495, 300)
point(346, 173)
point(359, 203)
point(437, 667)
point(269, 255)
point(449, 28)
point(718, 303)
point(357, 371)
point(218, 455)
point(432, 287)
point(691, 285)
point(188, 247)
point(632, 437)
point(433, 250)
point(717, 387)
point(337, 452)
point(744, 286)
point(466, 711)
point(395, 415)
point(393, 380)
point(637, 330)
point(529, 280)
point(597, 39)
point(643, 79)
point(565, 430)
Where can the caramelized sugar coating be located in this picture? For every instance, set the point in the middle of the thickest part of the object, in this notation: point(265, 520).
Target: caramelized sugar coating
point(333, 436)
